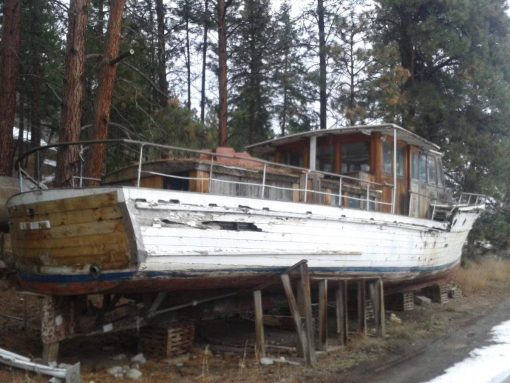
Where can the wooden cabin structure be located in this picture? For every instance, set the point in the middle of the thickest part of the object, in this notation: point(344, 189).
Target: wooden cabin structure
point(369, 153)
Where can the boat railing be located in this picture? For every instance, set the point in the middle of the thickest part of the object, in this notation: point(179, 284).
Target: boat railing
point(351, 191)
point(471, 199)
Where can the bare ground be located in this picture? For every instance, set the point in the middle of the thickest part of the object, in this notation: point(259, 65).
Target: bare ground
point(429, 339)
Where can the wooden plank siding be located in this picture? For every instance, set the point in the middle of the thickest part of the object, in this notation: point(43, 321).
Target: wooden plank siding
point(80, 231)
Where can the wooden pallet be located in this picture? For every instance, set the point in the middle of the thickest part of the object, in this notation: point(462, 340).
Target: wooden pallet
point(437, 293)
point(400, 301)
point(167, 340)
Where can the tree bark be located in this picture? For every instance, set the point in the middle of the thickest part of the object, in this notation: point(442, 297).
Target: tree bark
point(188, 58)
point(70, 123)
point(222, 74)
point(204, 63)
point(162, 80)
point(95, 159)
point(9, 72)
point(35, 115)
point(322, 65)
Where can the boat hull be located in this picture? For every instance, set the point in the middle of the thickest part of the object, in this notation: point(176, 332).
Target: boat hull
point(146, 240)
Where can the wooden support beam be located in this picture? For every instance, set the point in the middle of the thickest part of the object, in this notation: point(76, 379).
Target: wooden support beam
point(381, 329)
point(50, 352)
point(342, 324)
point(310, 356)
point(323, 315)
point(259, 325)
point(287, 287)
point(374, 298)
point(362, 317)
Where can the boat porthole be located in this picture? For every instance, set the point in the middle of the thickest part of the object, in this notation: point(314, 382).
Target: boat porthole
point(95, 270)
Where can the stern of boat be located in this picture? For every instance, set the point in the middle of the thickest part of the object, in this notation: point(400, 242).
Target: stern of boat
point(79, 236)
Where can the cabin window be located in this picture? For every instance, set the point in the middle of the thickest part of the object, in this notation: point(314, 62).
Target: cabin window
point(388, 159)
point(325, 158)
point(293, 159)
point(355, 157)
point(419, 167)
point(431, 169)
point(440, 174)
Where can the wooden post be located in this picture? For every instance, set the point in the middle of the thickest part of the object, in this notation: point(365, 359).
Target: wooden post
point(362, 317)
point(381, 330)
point(342, 325)
point(295, 314)
point(323, 315)
point(309, 330)
point(50, 352)
point(259, 325)
point(374, 298)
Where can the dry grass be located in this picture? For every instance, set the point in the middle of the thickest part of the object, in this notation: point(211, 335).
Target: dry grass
point(475, 276)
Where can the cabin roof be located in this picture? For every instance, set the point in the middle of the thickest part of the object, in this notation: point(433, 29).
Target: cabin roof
point(402, 134)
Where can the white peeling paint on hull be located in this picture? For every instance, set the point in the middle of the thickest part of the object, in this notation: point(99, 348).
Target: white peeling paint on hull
point(182, 232)
point(192, 235)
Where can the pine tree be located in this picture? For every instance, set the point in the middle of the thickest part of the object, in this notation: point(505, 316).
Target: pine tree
point(292, 92)
point(252, 51)
point(9, 70)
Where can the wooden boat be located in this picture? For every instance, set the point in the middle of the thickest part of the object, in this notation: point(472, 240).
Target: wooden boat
point(367, 201)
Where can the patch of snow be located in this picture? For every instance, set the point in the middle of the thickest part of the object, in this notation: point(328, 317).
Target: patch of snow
point(490, 364)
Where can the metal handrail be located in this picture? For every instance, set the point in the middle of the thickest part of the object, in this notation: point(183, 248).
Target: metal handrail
point(265, 164)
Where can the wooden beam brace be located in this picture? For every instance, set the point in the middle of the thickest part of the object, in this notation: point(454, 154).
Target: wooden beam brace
point(381, 330)
point(294, 312)
point(310, 356)
point(259, 325)
point(342, 324)
point(323, 315)
point(362, 317)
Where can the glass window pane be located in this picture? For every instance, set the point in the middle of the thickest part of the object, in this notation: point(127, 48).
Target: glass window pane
point(388, 159)
point(325, 158)
point(293, 158)
point(440, 174)
point(431, 168)
point(355, 157)
point(415, 166)
point(423, 167)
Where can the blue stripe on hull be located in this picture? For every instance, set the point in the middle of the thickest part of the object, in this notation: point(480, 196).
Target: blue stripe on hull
point(123, 276)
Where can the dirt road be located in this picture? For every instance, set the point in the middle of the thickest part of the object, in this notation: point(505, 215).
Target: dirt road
point(431, 360)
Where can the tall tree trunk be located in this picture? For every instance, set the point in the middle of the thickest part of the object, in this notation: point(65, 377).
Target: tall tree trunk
point(188, 58)
point(204, 62)
point(352, 90)
point(162, 81)
point(222, 74)
point(322, 65)
point(70, 124)
point(96, 155)
point(35, 115)
point(285, 94)
point(9, 71)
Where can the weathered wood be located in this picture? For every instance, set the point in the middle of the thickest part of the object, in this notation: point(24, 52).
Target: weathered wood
point(259, 325)
point(381, 329)
point(74, 241)
point(76, 230)
point(66, 205)
point(310, 357)
point(287, 287)
point(342, 325)
point(50, 352)
point(362, 317)
point(323, 315)
point(75, 216)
